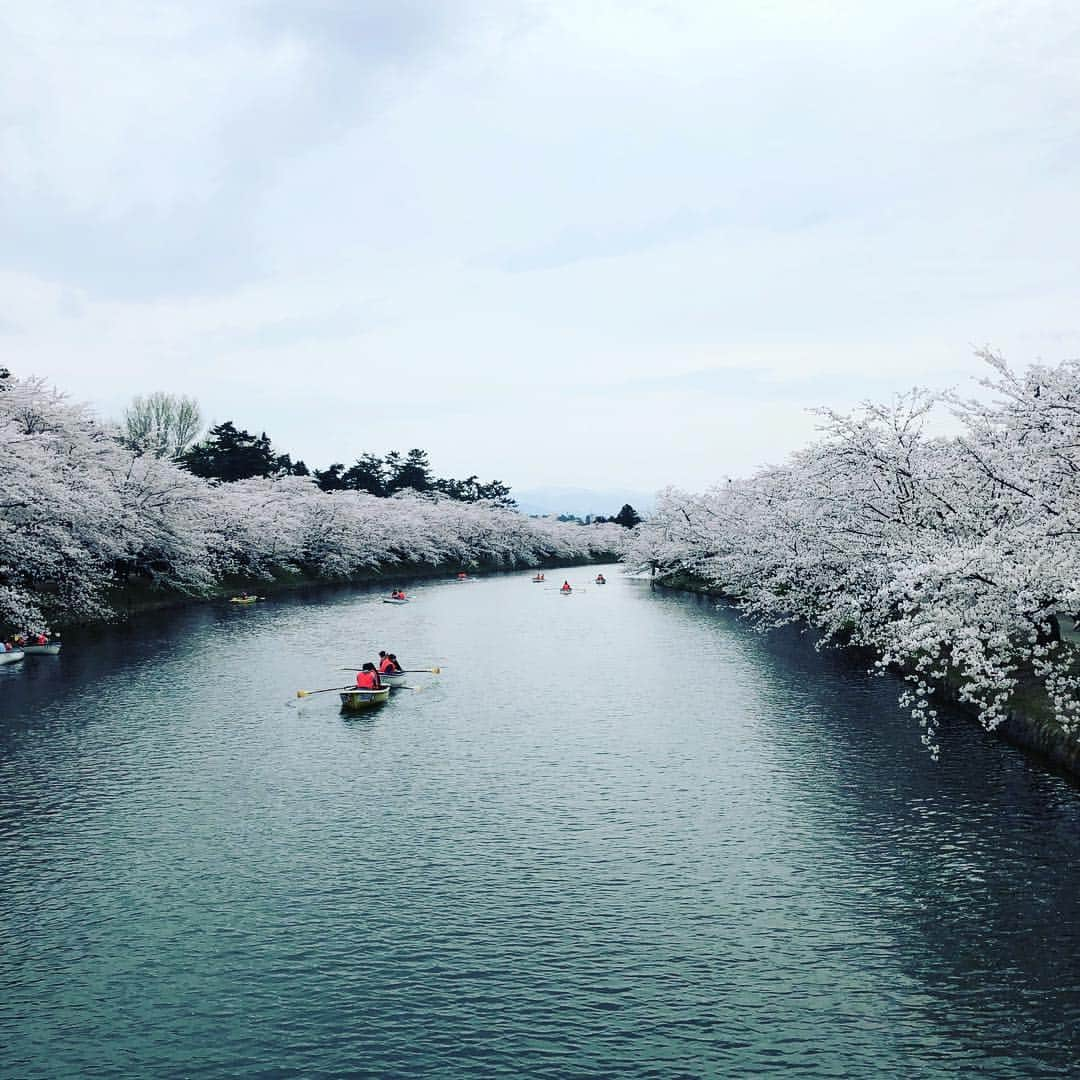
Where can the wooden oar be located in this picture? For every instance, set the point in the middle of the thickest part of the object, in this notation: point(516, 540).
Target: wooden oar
point(308, 693)
point(403, 671)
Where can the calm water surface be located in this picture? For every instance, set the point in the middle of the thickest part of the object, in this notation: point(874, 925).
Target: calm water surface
point(618, 836)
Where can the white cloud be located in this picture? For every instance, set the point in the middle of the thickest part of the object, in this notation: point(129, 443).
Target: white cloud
point(511, 220)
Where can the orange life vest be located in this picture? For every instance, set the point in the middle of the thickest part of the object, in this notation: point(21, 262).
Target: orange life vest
point(386, 664)
point(367, 680)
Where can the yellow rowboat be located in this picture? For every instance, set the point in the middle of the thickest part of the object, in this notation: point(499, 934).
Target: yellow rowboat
point(359, 700)
point(243, 599)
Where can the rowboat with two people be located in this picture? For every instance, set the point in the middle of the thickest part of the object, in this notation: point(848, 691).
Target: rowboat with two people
point(538, 577)
point(37, 645)
point(391, 672)
point(396, 597)
point(600, 579)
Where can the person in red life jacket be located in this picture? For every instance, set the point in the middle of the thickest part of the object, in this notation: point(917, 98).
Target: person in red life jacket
point(385, 663)
point(394, 665)
point(565, 587)
point(368, 678)
point(41, 639)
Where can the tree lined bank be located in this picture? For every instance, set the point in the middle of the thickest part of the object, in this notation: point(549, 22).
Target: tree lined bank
point(948, 556)
point(84, 512)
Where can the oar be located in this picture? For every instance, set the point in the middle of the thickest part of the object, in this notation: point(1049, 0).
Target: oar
point(308, 693)
point(403, 671)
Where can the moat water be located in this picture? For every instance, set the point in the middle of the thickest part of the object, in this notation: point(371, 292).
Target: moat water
point(620, 835)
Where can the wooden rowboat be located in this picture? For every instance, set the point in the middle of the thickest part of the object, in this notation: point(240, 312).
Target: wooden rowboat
point(51, 648)
point(11, 657)
point(359, 700)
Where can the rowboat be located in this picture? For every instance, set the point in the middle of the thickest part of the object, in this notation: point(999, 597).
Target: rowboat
point(11, 657)
point(392, 678)
point(601, 581)
point(566, 592)
point(52, 648)
point(243, 599)
point(540, 578)
point(359, 700)
point(395, 599)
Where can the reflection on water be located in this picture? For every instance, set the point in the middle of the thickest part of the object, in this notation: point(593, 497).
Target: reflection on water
point(619, 835)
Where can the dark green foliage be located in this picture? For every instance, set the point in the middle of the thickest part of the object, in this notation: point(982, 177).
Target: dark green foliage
point(367, 474)
point(331, 478)
point(414, 472)
point(227, 454)
point(627, 517)
point(472, 490)
point(385, 476)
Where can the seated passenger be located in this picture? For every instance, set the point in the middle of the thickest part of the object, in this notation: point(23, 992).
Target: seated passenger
point(368, 678)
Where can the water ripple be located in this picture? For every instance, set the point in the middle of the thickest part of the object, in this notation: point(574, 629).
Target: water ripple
point(619, 837)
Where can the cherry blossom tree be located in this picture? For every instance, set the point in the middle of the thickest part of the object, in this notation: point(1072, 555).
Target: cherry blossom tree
point(83, 509)
point(946, 556)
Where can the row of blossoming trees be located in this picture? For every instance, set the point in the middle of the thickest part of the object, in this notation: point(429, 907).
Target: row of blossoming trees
point(947, 556)
point(80, 514)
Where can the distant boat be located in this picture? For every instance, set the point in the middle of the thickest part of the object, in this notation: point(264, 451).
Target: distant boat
point(245, 599)
point(395, 600)
point(11, 657)
point(50, 648)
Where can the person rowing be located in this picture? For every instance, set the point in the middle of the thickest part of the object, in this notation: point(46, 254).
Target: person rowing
point(565, 587)
point(367, 678)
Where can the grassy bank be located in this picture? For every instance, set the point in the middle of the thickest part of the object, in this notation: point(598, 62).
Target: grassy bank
point(137, 596)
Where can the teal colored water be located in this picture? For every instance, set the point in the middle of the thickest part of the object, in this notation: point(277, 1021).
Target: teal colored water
point(619, 836)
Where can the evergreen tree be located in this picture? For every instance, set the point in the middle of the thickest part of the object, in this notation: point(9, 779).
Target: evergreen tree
point(367, 474)
point(331, 478)
point(627, 517)
point(228, 454)
point(414, 472)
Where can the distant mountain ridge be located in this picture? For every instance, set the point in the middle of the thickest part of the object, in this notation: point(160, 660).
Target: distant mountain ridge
point(581, 502)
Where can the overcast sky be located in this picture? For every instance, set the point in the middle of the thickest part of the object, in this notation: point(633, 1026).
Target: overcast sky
point(583, 242)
